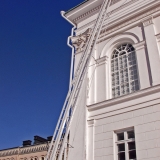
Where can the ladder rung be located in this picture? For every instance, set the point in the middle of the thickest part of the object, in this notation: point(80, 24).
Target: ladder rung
point(60, 132)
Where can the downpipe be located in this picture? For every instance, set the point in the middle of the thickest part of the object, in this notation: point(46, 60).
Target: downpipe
point(68, 43)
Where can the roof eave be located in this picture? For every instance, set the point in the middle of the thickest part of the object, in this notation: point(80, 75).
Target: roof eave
point(75, 7)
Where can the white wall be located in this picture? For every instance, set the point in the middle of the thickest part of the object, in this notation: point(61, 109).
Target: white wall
point(95, 140)
point(78, 128)
point(146, 122)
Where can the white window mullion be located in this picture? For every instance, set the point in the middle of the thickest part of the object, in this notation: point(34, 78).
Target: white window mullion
point(119, 75)
point(125, 141)
point(125, 50)
point(129, 81)
point(126, 145)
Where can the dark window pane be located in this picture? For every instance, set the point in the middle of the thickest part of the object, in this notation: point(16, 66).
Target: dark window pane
point(132, 154)
point(121, 147)
point(121, 156)
point(131, 134)
point(131, 145)
point(120, 136)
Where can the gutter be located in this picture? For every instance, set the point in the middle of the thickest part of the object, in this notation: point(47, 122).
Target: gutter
point(68, 43)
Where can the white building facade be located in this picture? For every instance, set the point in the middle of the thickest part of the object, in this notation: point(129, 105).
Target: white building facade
point(118, 110)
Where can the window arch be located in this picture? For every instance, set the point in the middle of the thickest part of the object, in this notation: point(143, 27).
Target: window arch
point(124, 70)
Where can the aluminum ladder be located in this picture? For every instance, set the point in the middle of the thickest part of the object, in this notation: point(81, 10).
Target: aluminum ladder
point(56, 147)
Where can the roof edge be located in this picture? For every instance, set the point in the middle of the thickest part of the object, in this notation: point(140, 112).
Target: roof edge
point(75, 7)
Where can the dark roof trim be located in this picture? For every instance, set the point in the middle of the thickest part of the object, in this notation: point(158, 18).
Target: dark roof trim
point(9, 148)
point(76, 6)
point(23, 146)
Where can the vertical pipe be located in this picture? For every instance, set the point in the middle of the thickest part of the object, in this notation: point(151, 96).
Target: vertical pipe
point(68, 43)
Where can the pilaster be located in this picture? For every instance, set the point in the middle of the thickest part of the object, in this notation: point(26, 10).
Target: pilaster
point(158, 37)
point(101, 80)
point(90, 140)
point(143, 69)
point(158, 41)
point(152, 47)
point(91, 84)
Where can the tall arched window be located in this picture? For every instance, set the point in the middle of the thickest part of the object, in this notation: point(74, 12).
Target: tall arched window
point(124, 70)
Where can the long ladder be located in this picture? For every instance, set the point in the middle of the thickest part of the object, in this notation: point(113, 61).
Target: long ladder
point(57, 144)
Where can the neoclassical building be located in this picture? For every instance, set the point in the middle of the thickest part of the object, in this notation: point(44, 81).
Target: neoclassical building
point(28, 151)
point(118, 109)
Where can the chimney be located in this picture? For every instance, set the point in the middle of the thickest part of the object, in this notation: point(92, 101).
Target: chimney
point(27, 143)
point(49, 138)
point(38, 140)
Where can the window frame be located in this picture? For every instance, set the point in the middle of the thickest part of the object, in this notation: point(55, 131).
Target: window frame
point(125, 142)
point(129, 69)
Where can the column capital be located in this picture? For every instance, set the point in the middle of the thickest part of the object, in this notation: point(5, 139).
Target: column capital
point(102, 60)
point(147, 21)
point(158, 37)
point(91, 123)
point(139, 45)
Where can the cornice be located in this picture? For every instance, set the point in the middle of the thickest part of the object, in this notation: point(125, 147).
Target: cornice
point(110, 28)
point(8, 152)
point(132, 96)
point(87, 13)
point(85, 26)
point(98, 8)
point(113, 11)
point(123, 6)
point(116, 27)
point(91, 123)
point(147, 21)
point(24, 150)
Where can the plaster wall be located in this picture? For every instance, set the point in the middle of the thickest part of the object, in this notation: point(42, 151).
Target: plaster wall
point(136, 34)
point(146, 122)
point(157, 25)
point(137, 22)
point(77, 133)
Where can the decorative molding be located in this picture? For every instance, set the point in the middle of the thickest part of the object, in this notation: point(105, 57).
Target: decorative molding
point(24, 150)
point(158, 37)
point(147, 21)
point(139, 45)
point(85, 26)
point(91, 123)
point(8, 152)
point(125, 98)
point(98, 8)
point(80, 41)
point(87, 13)
point(114, 1)
point(102, 60)
point(124, 5)
point(109, 29)
point(123, 24)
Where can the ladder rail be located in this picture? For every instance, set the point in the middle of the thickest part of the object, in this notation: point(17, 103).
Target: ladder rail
point(57, 126)
point(88, 41)
point(62, 121)
point(84, 72)
point(61, 128)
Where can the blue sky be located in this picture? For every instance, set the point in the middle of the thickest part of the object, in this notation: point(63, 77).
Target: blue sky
point(34, 67)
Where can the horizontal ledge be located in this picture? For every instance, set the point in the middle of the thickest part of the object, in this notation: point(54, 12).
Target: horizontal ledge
point(124, 98)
